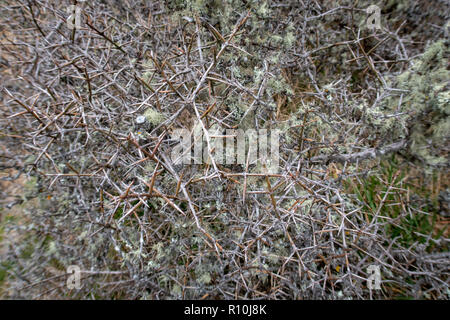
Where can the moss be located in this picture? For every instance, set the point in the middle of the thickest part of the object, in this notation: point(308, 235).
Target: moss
point(5, 266)
point(27, 252)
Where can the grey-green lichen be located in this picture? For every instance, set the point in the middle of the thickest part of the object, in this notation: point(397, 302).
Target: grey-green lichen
point(425, 101)
point(153, 116)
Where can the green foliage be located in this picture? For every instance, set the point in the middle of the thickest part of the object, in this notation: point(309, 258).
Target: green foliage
point(384, 197)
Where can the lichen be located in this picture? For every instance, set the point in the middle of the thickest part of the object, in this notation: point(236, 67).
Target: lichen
point(426, 102)
point(154, 117)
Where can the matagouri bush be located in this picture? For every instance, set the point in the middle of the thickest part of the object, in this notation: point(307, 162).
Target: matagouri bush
point(88, 111)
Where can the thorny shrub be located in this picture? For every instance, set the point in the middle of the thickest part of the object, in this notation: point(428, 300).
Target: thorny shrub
point(350, 103)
